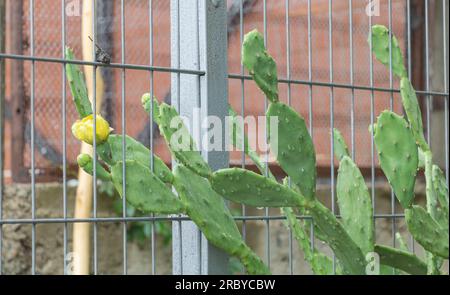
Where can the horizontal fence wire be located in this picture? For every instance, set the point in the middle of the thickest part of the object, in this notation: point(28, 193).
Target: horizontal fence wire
point(241, 77)
point(164, 218)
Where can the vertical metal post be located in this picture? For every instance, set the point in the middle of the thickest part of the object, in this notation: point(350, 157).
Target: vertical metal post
point(199, 42)
point(2, 115)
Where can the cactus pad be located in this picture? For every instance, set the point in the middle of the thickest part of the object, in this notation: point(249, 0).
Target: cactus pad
point(136, 151)
point(412, 109)
point(260, 64)
point(426, 231)
point(349, 255)
point(397, 153)
point(208, 210)
point(440, 186)
point(401, 259)
point(380, 47)
point(294, 149)
point(355, 205)
point(340, 147)
point(77, 86)
point(144, 190)
point(246, 187)
point(320, 263)
point(147, 105)
point(172, 128)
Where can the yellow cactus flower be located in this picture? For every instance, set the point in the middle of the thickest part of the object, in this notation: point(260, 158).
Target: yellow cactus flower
point(84, 129)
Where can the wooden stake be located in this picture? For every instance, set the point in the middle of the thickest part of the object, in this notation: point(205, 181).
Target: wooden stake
point(83, 202)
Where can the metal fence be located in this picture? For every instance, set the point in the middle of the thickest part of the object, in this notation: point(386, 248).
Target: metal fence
point(199, 77)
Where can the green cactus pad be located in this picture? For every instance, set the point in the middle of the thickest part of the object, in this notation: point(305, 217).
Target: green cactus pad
point(252, 189)
point(246, 187)
point(144, 190)
point(77, 86)
point(238, 138)
point(307, 223)
point(426, 231)
point(440, 186)
point(136, 151)
point(85, 162)
point(402, 260)
point(349, 255)
point(412, 109)
point(208, 210)
point(320, 263)
point(294, 149)
point(397, 153)
point(340, 147)
point(260, 64)
point(172, 128)
point(355, 205)
point(441, 190)
point(380, 47)
point(401, 242)
point(147, 105)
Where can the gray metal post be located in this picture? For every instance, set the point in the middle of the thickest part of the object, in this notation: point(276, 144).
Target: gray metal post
point(199, 42)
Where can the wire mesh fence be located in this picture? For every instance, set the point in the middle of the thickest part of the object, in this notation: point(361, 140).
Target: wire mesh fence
point(326, 72)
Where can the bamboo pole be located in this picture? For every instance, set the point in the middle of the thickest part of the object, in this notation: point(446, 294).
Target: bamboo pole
point(83, 202)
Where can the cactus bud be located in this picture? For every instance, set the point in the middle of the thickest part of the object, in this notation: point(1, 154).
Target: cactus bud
point(145, 100)
point(86, 163)
point(84, 129)
point(83, 160)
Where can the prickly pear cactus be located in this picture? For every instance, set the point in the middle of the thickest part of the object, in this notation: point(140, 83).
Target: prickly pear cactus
point(441, 190)
point(397, 153)
point(346, 250)
point(147, 105)
point(136, 151)
point(249, 188)
point(440, 186)
point(355, 205)
point(380, 47)
point(144, 190)
point(260, 64)
point(401, 242)
point(208, 210)
point(400, 259)
point(272, 194)
point(77, 86)
point(381, 40)
point(412, 109)
point(320, 263)
point(427, 232)
point(294, 148)
point(180, 141)
point(86, 163)
point(340, 147)
point(240, 141)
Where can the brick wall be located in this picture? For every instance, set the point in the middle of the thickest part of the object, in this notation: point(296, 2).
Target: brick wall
point(48, 115)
